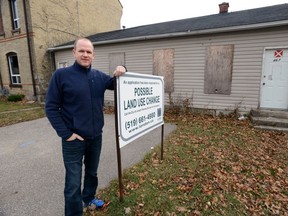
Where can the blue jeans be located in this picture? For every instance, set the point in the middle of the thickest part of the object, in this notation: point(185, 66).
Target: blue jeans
point(73, 154)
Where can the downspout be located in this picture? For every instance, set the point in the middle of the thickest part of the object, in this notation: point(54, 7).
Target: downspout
point(29, 49)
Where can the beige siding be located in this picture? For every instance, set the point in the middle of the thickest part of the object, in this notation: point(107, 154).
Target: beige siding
point(189, 65)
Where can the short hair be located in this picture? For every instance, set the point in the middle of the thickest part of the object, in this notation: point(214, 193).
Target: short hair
point(82, 38)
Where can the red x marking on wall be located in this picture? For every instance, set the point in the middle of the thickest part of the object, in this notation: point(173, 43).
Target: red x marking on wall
point(278, 53)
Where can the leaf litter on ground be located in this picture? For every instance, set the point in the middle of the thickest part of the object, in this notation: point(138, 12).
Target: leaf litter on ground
point(212, 166)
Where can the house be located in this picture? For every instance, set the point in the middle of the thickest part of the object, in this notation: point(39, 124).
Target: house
point(29, 27)
point(222, 62)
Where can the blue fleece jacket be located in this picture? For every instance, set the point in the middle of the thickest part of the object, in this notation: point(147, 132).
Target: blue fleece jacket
point(75, 99)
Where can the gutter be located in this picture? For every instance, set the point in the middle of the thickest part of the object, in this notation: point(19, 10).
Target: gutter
point(181, 34)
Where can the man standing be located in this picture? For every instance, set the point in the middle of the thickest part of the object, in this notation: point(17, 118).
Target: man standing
point(74, 107)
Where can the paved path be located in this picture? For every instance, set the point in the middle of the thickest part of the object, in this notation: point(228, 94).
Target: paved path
point(32, 171)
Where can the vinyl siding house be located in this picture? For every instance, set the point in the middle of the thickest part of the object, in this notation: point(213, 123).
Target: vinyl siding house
point(220, 62)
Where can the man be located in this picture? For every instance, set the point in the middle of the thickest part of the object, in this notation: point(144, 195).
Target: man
point(74, 107)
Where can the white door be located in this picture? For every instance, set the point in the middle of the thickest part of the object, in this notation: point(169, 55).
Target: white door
point(274, 82)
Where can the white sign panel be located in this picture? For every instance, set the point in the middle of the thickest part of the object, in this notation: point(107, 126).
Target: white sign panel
point(140, 105)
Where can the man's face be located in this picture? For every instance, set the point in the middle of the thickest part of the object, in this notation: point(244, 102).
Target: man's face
point(84, 53)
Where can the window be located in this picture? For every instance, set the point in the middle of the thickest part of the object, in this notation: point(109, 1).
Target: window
point(218, 69)
point(115, 59)
point(163, 65)
point(15, 15)
point(62, 64)
point(14, 69)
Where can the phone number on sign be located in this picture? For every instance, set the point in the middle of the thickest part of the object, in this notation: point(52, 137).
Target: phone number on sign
point(139, 121)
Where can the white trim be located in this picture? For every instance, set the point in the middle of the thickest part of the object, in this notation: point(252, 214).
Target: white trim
point(265, 50)
point(277, 47)
point(12, 75)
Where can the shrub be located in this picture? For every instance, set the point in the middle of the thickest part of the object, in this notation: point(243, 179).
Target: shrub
point(15, 97)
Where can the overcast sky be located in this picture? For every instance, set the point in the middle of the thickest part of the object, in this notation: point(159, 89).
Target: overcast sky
point(142, 12)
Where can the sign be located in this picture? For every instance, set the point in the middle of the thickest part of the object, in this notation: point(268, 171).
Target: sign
point(278, 53)
point(140, 105)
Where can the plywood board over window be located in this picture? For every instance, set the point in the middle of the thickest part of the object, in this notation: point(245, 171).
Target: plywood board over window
point(163, 65)
point(115, 59)
point(218, 69)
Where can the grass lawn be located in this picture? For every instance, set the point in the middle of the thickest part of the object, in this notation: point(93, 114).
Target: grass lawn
point(212, 166)
point(9, 112)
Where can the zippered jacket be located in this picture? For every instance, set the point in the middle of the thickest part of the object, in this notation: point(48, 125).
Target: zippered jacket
point(75, 99)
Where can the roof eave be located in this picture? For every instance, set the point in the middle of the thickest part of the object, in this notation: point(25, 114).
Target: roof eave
point(181, 34)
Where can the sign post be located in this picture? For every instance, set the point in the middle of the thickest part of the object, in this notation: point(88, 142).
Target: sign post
point(139, 109)
point(117, 143)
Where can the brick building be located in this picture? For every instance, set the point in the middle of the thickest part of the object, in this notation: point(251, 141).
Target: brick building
point(29, 27)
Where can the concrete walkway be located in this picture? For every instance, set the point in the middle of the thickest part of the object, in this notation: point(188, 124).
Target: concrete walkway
point(32, 171)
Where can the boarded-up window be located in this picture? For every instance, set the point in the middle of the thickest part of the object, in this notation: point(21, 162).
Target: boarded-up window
point(218, 69)
point(115, 59)
point(163, 65)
